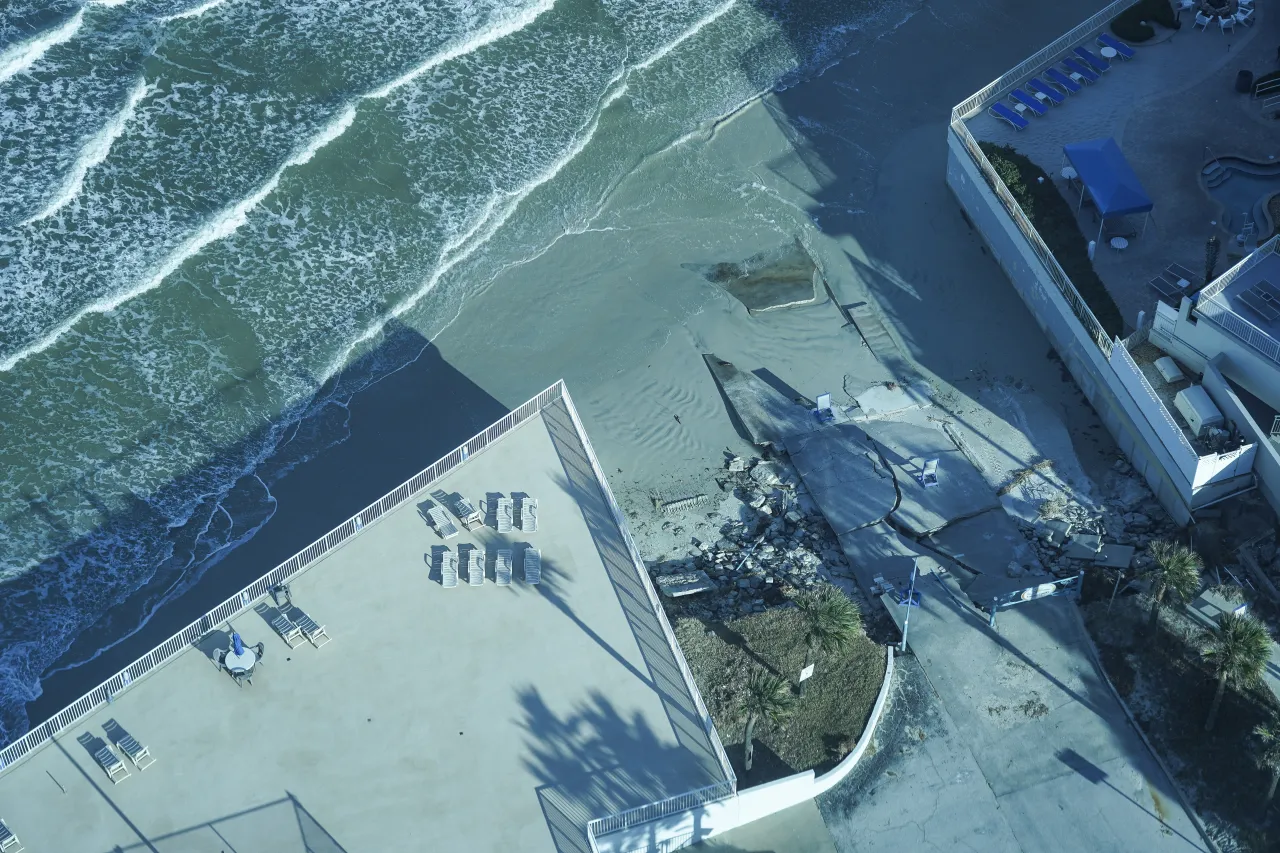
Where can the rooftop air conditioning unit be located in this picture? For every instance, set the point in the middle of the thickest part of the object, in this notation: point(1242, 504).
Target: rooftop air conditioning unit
point(1200, 412)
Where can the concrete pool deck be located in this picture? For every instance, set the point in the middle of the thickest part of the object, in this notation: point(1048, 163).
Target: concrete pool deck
point(1171, 109)
point(489, 718)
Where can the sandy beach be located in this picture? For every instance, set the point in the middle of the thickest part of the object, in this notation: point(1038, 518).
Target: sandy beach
point(851, 163)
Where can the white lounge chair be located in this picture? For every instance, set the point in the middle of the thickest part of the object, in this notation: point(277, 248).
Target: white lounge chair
point(475, 567)
point(288, 631)
point(111, 763)
point(532, 566)
point(138, 754)
point(506, 515)
point(448, 570)
point(1244, 16)
point(468, 514)
point(529, 515)
point(311, 629)
point(1227, 22)
point(502, 568)
point(444, 525)
point(9, 842)
point(1202, 21)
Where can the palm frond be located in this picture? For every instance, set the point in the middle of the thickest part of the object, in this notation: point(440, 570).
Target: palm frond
point(832, 620)
point(1176, 568)
point(1238, 650)
point(767, 696)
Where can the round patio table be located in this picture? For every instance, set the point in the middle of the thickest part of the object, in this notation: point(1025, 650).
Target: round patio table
point(242, 662)
point(1119, 243)
point(1108, 53)
point(1068, 173)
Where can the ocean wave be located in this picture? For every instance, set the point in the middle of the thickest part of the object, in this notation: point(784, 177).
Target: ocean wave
point(193, 12)
point(20, 57)
point(93, 153)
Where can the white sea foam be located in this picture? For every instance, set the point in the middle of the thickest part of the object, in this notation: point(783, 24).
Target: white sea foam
point(22, 56)
point(223, 225)
point(193, 12)
point(497, 31)
point(697, 27)
point(93, 153)
point(227, 222)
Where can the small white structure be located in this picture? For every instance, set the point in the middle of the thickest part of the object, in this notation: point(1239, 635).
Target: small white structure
point(1168, 369)
point(1199, 411)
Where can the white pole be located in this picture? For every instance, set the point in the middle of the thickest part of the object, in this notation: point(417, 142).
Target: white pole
point(906, 620)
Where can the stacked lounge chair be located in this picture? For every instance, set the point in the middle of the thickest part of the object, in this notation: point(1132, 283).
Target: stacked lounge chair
point(529, 515)
point(532, 566)
point(502, 568)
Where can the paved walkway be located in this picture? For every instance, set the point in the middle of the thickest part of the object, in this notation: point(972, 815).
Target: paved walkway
point(799, 829)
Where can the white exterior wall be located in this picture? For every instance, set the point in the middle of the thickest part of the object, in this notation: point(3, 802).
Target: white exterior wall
point(1195, 342)
point(1266, 459)
point(689, 827)
point(1086, 362)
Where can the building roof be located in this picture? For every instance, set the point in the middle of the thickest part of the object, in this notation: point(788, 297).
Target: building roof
point(470, 718)
point(1111, 181)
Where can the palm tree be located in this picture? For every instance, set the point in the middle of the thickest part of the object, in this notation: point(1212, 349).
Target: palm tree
point(768, 697)
point(1175, 572)
point(1269, 757)
point(1238, 652)
point(832, 622)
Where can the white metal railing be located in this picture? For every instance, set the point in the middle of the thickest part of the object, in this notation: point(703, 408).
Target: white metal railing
point(1059, 276)
point(660, 809)
point(1034, 64)
point(1122, 353)
point(1224, 281)
point(1270, 87)
point(718, 790)
point(1229, 321)
point(290, 568)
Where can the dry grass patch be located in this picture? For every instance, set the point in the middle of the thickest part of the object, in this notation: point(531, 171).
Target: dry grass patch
point(827, 720)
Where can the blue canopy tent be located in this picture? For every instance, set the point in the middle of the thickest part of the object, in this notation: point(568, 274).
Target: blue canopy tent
point(1109, 178)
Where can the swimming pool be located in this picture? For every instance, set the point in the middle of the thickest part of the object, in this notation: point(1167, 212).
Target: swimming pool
point(1242, 187)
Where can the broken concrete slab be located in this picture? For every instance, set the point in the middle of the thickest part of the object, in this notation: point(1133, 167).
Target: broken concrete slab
point(1053, 531)
point(988, 543)
point(889, 398)
point(844, 474)
point(1115, 556)
point(763, 414)
point(1083, 546)
point(961, 491)
point(881, 551)
point(684, 583)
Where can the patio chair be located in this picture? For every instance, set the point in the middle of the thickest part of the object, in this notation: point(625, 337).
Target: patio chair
point(532, 566)
point(1003, 112)
point(1023, 100)
point(1244, 16)
point(138, 754)
point(468, 514)
point(9, 842)
point(529, 515)
point(502, 568)
point(311, 629)
point(1203, 21)
point(1227, 22)
point(506, 515)
point(1071, 87)
point(111, 763)
point(475, 567)
point(286, 629)
point(443, 524)
point(219, 656)
point(1088, 57)
point(1185, 5)
point(448, 570)
point(1044, 92)
point(1122, 50)
point(1079, 71)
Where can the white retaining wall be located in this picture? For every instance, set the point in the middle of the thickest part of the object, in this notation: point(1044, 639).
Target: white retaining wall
point(1266, 462)
point(743, 807)
point(1083, 358)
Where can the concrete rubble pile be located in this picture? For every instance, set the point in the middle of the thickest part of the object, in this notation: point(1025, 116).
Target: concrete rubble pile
point(780, 544)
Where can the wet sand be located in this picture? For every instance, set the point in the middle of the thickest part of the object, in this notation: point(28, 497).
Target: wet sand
point(850, 162)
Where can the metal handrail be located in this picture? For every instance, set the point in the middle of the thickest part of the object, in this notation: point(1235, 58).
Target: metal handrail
point(1261, 89)
point(1223, 281)
point(654, 601)
point(289, 569)
point(997, 88)
point(1232, 323)
point(1059, 276)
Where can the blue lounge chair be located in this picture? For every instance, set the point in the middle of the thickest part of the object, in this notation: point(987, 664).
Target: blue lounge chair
point(1079, 69)
point(1122, 50)
point(1003, 112)
point(1067, 85)
point(1091, 59)
point(1028, 102)
point(1051, 94)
